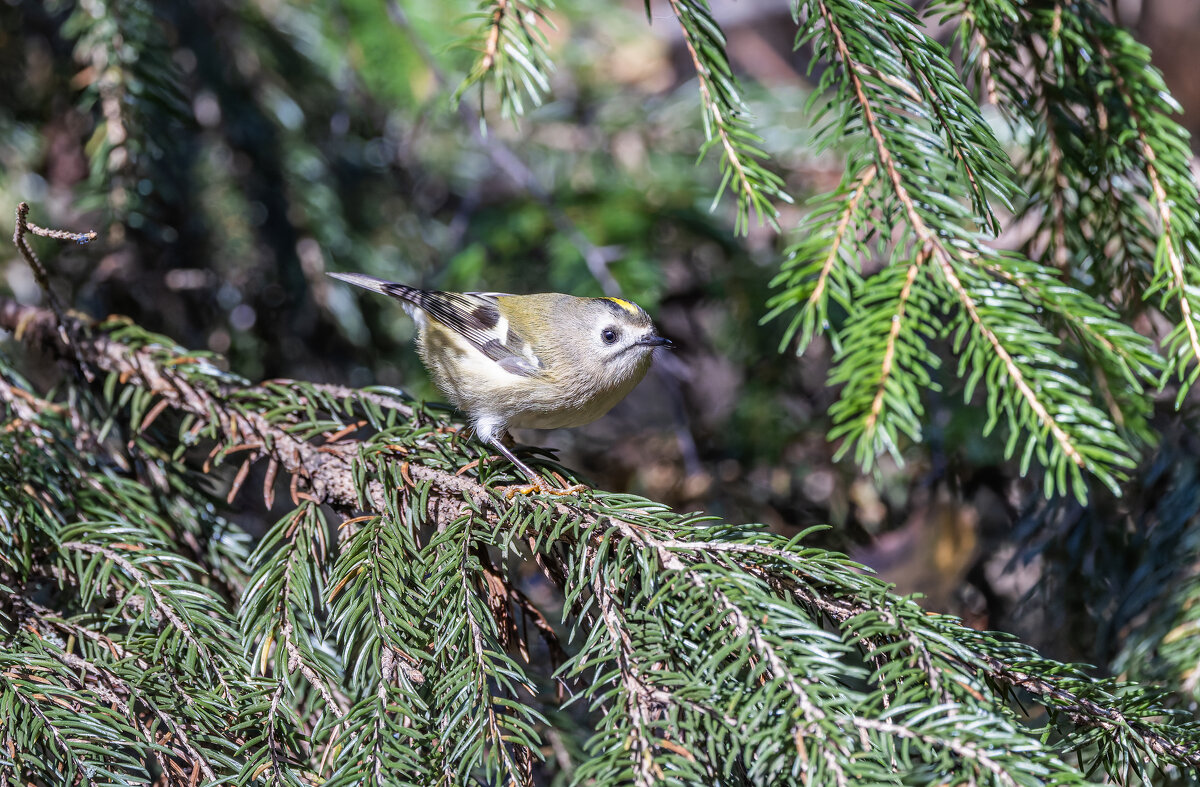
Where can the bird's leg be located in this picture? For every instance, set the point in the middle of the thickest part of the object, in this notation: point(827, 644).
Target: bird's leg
point(537, 482)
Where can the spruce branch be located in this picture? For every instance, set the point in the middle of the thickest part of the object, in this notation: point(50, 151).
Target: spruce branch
point(808, 668)
point(681, 624)
point(506, 160)
point(116, 692)
point(884, 362)
point(1106, 166)
point(89, 685)
point(933, 247)
point(927, 139)
point(121, 693)
point(139, 104)
point(162, 604)
point(637, 709)
point(512, 54)
point(394, 642)
point(1113, 349)
point(920, 83)
point(24, 690)
point(489, 664)
point(726, 122)
point(871, 422)
point(279, 616)
point(1176, 234)
point(823, 264)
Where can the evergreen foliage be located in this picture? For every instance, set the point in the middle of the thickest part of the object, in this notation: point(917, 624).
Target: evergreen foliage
point(727, 126)
point(927, 173)
point(513, 54)
point(405, 621)
point(396, 643)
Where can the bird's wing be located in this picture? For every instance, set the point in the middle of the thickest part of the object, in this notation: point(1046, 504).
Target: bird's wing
point(475, 316)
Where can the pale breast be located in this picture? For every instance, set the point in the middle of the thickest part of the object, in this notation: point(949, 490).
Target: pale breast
point(468, 378)
point(477, 385)
point(577, 414)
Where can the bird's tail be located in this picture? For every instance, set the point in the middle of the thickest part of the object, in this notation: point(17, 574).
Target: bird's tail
point(402, 292)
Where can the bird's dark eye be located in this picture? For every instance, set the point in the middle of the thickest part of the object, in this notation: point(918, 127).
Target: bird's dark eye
point(608, 335)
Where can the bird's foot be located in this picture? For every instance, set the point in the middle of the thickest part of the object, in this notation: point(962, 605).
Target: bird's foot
point(539, 486)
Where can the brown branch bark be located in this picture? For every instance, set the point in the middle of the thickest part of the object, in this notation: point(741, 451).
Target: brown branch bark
point(327, 472)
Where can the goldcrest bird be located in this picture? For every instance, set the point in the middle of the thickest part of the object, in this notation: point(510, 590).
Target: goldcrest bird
point(541, 361)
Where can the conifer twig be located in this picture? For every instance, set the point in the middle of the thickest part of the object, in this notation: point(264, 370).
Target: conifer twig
point(934, 247)
point(329, 478)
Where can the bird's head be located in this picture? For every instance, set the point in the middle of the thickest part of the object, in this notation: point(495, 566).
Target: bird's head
point(611, 337)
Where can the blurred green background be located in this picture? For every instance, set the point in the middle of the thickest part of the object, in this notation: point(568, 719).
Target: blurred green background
point(229, 154)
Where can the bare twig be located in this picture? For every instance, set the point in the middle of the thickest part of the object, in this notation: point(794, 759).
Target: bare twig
point(23, 226)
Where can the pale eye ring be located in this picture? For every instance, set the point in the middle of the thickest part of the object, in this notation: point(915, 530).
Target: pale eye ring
point(608, 335)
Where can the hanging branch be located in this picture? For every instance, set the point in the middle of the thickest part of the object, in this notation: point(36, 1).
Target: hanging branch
point(1103, 164)
point(512, 54)
point(924, 198)
point(727, 124)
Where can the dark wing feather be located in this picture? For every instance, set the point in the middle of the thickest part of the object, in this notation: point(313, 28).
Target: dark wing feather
point(476, 318)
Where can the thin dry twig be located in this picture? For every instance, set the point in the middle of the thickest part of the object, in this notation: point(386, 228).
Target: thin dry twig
point(24, 226)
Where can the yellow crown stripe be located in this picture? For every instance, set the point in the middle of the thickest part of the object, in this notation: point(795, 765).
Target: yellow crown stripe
point(624, 304)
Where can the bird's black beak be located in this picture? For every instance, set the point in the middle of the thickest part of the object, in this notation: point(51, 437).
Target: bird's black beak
point(655, 341)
